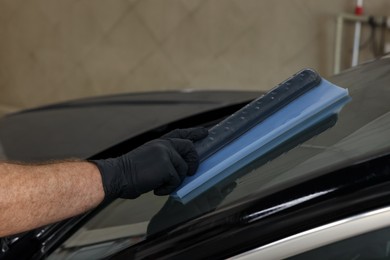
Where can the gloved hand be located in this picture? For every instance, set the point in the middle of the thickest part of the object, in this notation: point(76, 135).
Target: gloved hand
point(159, 165)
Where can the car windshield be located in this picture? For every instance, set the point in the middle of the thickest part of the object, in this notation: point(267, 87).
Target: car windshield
point(362, 131)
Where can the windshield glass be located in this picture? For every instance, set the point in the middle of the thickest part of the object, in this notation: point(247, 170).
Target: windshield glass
point(362, 131)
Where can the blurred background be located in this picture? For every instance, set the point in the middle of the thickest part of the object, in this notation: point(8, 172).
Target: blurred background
point(53, 51)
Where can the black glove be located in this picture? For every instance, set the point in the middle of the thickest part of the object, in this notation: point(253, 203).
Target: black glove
point(159, 165)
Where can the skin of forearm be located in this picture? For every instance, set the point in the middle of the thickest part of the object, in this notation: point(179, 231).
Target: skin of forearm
point(36, 195)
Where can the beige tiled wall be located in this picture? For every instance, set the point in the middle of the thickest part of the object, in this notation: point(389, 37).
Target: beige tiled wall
point(58, 50)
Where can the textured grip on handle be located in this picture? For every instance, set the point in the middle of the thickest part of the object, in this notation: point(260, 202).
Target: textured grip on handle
point(257, 111)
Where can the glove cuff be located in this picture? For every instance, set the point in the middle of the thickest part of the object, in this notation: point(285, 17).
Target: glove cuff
point(114, 183)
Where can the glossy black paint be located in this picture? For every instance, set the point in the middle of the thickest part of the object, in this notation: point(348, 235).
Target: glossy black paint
point(244, 225)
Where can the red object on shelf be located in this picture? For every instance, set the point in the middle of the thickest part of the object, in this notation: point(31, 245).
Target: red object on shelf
point(359, 10)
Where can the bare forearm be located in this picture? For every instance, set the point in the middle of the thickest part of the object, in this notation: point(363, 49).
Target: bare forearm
point(33, 196)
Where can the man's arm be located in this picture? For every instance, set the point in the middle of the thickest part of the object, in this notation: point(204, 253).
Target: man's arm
point(35, 195)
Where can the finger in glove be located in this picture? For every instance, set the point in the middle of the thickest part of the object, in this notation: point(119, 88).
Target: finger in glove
point(186, 149)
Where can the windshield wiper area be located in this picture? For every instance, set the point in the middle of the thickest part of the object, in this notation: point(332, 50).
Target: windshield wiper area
point(174, 212)
point(6, 242)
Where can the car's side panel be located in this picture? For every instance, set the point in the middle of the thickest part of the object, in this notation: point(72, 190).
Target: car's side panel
point(321, 236)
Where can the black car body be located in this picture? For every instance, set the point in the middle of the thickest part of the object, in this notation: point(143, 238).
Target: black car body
point(340, 174)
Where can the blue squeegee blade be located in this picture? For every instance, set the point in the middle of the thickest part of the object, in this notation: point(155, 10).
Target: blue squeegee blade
point(300, 114)
point(231, 168)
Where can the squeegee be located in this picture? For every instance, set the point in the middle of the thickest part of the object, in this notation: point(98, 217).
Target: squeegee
point(295, 110)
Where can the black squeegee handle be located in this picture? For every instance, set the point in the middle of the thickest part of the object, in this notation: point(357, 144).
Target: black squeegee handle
point(255, 112)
